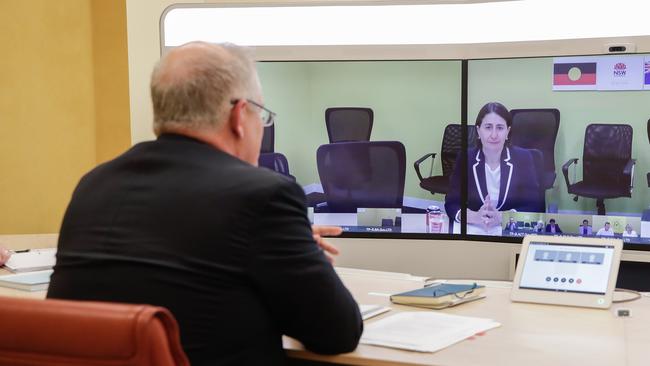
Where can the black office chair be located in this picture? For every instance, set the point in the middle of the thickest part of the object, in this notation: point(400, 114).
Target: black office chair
point(362, 175)
point(607, 165)
point(451, 145)
point(537, 129)
point(268, 140)
point(345, 124)
point(276, 162)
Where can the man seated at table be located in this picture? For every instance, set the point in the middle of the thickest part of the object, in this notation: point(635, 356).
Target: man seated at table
point(585, 228)
point(553, 228)
point(606, 230)
point(190, 223)
point(511, 225)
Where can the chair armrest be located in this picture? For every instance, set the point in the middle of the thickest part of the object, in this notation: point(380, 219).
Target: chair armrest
point(648, 178)
point(417, 163)
point(565, 171)
point(629, 170)
point(629, 167)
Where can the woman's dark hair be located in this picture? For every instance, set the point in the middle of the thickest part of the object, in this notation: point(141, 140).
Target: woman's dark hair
point(496, 108)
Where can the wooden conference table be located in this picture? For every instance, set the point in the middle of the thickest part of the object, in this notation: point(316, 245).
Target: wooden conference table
point(530, 334)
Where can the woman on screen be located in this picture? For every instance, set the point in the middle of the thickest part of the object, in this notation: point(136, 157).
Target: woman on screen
point(499, 177)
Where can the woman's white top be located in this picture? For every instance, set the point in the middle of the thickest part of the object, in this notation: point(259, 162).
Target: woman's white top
point(493, 183)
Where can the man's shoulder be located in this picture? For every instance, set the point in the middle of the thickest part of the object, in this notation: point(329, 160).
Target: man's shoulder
point(262, 177)
point(108, 166)
point(196, 161)
point(134, 155)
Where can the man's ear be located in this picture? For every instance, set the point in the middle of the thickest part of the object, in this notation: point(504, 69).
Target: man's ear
point(236, 118)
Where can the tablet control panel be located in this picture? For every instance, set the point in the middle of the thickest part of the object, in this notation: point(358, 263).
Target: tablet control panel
point(567, 268)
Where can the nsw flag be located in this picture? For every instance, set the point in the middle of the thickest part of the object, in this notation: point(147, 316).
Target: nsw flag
point(574, 73)
point(646, 71)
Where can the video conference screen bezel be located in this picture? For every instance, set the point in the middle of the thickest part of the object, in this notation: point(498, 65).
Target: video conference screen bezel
point(464, 122)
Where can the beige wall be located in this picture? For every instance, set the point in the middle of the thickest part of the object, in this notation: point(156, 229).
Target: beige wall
point(111, 77)
point(51, 123)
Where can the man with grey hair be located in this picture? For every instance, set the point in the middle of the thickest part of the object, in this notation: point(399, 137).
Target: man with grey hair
point(190, 223)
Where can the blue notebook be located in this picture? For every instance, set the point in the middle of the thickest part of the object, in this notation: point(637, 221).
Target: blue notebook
point(440, 296)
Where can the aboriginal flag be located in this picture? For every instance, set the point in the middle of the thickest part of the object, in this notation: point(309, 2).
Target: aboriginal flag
point(574, 73)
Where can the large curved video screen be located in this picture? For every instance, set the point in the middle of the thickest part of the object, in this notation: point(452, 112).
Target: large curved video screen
point(555, 146)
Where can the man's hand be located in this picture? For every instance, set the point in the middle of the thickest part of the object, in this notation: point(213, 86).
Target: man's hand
point(321, 231)
point(4, 255)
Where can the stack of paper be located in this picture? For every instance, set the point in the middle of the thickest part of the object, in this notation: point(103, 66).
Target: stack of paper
point(32, 260)
point(423, 331)
point(30, 281)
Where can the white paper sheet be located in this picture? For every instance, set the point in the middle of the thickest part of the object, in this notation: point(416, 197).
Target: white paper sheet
point(423, 331)
point(369, 311)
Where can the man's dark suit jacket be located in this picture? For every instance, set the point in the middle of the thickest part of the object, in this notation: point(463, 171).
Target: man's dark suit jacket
point(557, 229)
point(519, 190)
point(225, 246)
